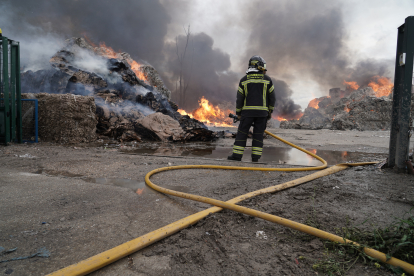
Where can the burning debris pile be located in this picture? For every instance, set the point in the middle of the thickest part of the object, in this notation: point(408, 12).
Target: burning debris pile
point(367, 108)
point(213, 115)
point(132, 102)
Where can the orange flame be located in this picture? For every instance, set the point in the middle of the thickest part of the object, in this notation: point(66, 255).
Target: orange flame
point(314, 103)
point(108, 51)
point(382, 86)
point(88, 39)
point(314, 151)
point(344, 154)
point(209, 114)
point(111, 53)
point(296, 117)
point(346, 109)
point(140, 191)
point(351, 85)
point(280, 119)
point(182, 112)
point(135, 66)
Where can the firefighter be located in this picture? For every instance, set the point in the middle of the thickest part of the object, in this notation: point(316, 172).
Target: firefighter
point(1, 34)
point(254, 106)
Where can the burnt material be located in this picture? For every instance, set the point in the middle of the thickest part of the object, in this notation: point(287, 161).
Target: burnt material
point(159, 104)
point(146, 133)
point(188, 123)
point(122, 98)
point(361, 110)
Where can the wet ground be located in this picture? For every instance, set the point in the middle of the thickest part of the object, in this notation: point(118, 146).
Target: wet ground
point(280, 155)
point(79, 200)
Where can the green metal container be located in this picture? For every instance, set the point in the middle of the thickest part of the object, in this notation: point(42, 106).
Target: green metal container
point(10, 92)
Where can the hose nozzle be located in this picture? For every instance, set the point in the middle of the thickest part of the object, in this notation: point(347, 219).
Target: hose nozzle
point(234, 117)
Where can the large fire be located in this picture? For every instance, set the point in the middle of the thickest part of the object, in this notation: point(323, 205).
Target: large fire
point(352, 85)
point(382, 86)
point(108, 52)
point(135, 66)
point(281, 118)
point(314, 103)
point(209, 114)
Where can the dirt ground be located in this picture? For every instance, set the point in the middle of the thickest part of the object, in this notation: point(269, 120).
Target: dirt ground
point(76, 201)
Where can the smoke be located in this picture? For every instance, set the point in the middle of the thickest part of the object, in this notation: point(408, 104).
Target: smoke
point(125, 107)
point(205, 71)
point(92, 63)
point(298, 39)
point(306, 39)
point(285, 107)
point(37, 45)
point(134, 26)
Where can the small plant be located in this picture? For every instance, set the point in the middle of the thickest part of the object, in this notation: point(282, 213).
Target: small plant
point(396, 240)
point(336, 262)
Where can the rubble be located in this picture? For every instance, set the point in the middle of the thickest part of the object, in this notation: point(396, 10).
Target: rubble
point(125, 92)
point(359, 110)
point(163, 126)
point(154, 79)
point(160, 104)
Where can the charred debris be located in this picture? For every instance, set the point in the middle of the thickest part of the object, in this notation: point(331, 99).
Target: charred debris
point(346, 110)
point(132, 102)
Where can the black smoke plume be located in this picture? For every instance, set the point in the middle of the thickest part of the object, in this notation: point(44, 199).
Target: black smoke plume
point(285, 106)
point(205, 70)
point(299, 40)
point(306, 40)
point(138, 27)
point(134, 26)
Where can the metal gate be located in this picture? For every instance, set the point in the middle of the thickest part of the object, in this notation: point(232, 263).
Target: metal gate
point(10, 92)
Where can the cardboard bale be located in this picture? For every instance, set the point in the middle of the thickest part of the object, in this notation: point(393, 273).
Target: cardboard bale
point(65, 118)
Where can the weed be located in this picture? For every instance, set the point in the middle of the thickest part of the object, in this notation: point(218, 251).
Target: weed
point(396, 240)
point(334, 263)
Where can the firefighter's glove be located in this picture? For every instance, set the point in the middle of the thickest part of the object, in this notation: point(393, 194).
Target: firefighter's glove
point(269, 116)
point(239, 117)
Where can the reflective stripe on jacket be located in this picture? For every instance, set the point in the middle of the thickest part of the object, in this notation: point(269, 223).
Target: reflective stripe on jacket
point(255, 95)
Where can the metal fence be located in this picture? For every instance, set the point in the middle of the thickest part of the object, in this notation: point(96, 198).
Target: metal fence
point(10, 92)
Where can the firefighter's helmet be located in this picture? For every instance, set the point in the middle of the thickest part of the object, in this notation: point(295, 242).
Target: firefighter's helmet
point(257, 62)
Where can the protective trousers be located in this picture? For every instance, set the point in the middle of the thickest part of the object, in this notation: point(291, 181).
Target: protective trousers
point(241, 137)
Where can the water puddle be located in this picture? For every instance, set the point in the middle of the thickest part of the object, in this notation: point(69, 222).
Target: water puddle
point(139, 187)
point(270, 154)
point(57, 173)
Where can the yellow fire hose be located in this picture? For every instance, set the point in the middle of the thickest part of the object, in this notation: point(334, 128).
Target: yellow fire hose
point(98, 261)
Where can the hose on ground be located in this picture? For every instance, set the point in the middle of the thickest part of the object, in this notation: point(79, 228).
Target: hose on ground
point(98, 261)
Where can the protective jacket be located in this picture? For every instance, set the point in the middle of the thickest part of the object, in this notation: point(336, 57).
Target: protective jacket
point(255, 95)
